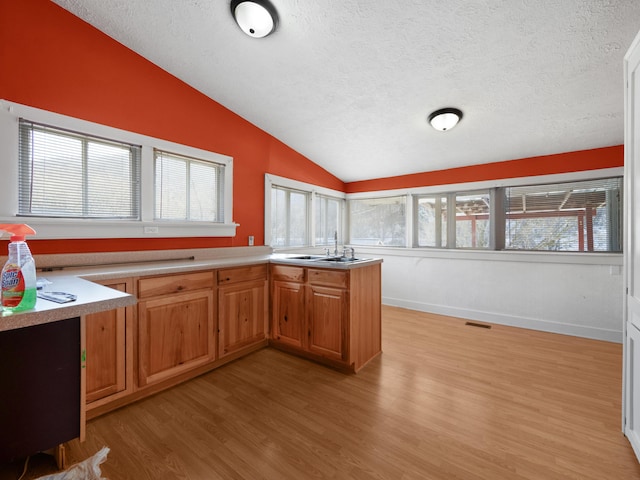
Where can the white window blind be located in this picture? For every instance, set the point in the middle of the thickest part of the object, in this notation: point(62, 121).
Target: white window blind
point(289, 217)
point(580, 216)
point(188, 189)
point(70, 174)
point(328, 219)
point(378, 221)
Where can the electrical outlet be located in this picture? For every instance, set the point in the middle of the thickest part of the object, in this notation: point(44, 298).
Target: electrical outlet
point(250, 240)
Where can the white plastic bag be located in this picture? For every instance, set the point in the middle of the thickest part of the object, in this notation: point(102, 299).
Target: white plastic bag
point(88, 469)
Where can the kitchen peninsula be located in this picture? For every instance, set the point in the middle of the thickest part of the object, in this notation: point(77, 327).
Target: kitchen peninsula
point(196, 310)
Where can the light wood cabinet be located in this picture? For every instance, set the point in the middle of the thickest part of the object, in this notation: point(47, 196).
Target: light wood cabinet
point(176, 326)
point(327, 321)
point(332, 316)
point(109, 352)
point(243, 313)
point(288, 322)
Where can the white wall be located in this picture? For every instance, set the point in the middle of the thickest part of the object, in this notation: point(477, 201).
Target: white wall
point(576, 294)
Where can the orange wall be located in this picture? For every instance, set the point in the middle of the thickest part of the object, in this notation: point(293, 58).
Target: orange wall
point(607, 157)
point(55, 61)
point(52, 60)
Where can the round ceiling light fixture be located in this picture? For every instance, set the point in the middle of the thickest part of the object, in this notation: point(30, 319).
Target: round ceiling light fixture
point(256, 18)
point(445, 118)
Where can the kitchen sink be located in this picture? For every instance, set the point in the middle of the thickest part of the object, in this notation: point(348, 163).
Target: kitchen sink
point(337, 259)
point(306, 257)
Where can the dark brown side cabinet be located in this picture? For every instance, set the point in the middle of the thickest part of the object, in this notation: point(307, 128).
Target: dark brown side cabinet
point(39, 388)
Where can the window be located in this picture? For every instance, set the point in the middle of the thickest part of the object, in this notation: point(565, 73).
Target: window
point(68, 174)
point(469, 219)
point(378, 221)
point(299, 214)
point(472, 219)
point(328, 219)
point(188, 188)
point(432, 220)
point(77, 179)
point(578, 216)
point(289, 217)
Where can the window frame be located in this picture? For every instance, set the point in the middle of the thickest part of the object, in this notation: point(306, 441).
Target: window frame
point(496, 248)
point(408, 216)
point(314, 191)
point(190, 162)
point(60, 228)
point(30, 172)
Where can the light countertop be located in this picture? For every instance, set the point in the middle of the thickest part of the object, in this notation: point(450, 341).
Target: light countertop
point(91, 298)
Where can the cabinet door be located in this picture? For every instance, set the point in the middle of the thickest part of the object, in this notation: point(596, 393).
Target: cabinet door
point(175, 334)
point(328, 309)
point(288, 313)
point(242, 315)
point(106, 352)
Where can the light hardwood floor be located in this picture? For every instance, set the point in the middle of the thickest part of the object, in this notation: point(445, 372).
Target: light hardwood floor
point(444, 401)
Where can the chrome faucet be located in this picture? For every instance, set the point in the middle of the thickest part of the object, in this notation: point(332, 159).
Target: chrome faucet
point(353, 252)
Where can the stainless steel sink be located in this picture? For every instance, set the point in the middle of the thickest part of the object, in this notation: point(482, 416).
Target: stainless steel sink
point(337, 259)
point(305, 257)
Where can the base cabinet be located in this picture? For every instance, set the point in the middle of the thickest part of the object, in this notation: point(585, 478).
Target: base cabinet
point(332, 316)
point(109, 352)
point(176, 329)
point(327, 321)
point(288, 322)
point(190, 323)
point(243, 313)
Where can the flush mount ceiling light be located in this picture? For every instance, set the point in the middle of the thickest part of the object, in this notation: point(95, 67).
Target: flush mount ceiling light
point(256, 18)
point(445, 118)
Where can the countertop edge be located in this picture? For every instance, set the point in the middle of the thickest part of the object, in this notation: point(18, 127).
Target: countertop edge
point(91, 298)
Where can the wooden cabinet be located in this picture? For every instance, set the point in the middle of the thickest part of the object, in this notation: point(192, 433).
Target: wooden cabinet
point(243, 313)
point(176, 326)
point(329, 315)
point(109, 352)
point(288, 322)
point(327, 321)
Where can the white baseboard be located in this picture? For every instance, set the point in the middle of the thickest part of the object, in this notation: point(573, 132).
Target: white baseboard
point(513, 321)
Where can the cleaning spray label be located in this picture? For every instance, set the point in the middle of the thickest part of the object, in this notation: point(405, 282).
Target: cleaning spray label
point(12, 286)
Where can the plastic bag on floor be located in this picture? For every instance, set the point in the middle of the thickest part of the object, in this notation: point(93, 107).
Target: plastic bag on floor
point(88, 469)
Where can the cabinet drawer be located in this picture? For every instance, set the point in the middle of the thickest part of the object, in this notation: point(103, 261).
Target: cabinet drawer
point(287, 274)
point(242, 274)
point(154, 286)
point(330, 278)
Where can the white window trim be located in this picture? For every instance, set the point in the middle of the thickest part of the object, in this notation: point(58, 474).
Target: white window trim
point(613, 259)
point(314, 190)
point(57, 228)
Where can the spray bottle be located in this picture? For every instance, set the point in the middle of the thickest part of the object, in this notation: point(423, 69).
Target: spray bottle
point(19, 273)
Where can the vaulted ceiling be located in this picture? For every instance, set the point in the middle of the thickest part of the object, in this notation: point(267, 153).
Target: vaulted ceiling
point(349, 84)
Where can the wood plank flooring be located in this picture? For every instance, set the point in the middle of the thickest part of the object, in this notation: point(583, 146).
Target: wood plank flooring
point(444, 401)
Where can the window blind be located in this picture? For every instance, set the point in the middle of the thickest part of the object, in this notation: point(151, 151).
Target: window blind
point(574, 216)
point(70, 174)
point(289, 217)
point(188, 189)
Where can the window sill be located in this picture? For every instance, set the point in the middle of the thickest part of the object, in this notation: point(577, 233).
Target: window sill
point(575, 258)
point(64, 228)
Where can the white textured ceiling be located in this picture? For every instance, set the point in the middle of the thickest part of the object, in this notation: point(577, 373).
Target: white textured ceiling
point(349, 84)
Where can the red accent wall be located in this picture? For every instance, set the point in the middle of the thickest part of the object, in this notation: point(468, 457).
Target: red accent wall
point(54, 61)
point(607, 157)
